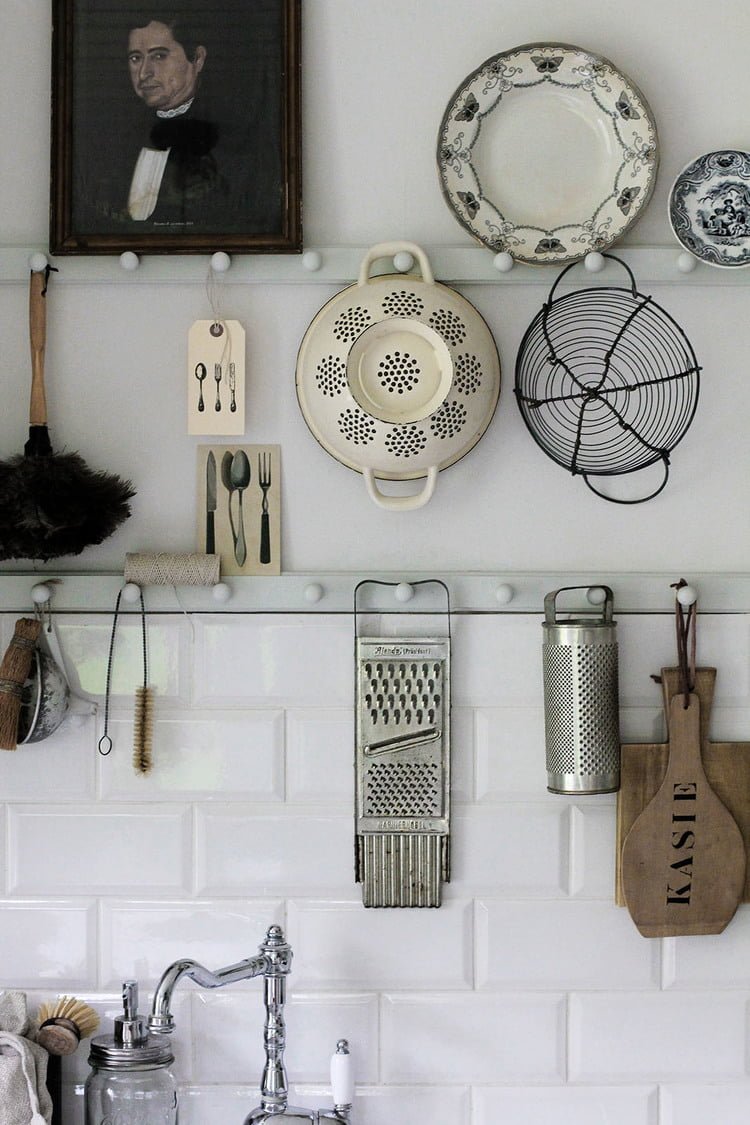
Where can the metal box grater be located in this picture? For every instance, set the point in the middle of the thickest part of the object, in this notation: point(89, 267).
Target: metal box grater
point(402, 770)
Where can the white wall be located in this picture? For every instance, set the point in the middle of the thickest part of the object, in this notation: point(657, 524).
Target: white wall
point(528, 995)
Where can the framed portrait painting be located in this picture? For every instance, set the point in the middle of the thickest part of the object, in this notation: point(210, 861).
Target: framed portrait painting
point(175, 126)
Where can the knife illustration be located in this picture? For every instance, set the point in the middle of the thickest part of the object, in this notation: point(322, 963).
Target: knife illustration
point(210, 502)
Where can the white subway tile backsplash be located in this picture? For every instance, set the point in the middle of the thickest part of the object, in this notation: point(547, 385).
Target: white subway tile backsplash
point(592, 846)
point(320, 754)
point(519, 849)
point(85, 643)
point(615, 1105)
point(201, 755)
point(242, 850)
point(228, 1033)
point(140, 939)
point(662, 1037)
point(98, 849)
point(562, 945)
point(697, 1105)
point(345, 945)
point(454, 1039)
point(398, 1105)
point(48, 943)
point(497, 661)
point(61, 766)
point(269, 659)
point(527, 997)
point(510, 753)
point(713, 961)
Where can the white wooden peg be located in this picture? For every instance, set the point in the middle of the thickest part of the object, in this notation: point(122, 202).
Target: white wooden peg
point(313, 592)
point(312, 260)
point(503, 262)
point(221, 592)
point(594, 261)
point(220, 262)
point(41, 593)
point(404, 592)
point(38, 262)
point(504, 594)
point(596, 595)
point(403, 261)
point(686, 262)
point(129, 261)
point(687, 596)
point(131, 592)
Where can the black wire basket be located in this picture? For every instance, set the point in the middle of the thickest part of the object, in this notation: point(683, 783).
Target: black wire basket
point(607, 382)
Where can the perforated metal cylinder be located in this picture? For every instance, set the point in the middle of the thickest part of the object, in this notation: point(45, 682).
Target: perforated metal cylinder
point(581, 704)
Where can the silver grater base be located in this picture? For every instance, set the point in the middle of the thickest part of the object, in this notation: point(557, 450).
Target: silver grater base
point(403, 870)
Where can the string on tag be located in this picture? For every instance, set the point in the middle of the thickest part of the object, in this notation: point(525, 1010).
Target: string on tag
point(685, 627)
point(219, 326)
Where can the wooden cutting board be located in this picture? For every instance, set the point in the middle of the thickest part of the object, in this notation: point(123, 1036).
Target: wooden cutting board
point(679, 875)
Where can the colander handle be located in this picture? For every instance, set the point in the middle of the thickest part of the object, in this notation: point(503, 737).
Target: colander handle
point(401, 503)
point(389, 250)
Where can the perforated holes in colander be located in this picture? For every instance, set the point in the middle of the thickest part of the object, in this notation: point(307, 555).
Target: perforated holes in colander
point(398, 372)
point(449, 325)
point(405, 441)
point(403, 789)
point(330, 376)
point(356, 427)
point(351, 324)
point(403, 303)
point(449, 419)
point(468, 374)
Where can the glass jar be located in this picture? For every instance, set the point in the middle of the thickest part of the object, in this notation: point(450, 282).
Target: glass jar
point(144, 1095)
point(130, 1081)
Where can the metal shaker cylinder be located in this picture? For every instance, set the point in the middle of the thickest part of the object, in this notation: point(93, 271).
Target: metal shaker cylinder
point(581, 698)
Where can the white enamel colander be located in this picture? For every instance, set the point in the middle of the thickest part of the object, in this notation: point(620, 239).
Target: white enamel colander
point(398, 376)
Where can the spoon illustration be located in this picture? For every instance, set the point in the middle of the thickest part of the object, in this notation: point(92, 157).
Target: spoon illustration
point(226, 480)
point(200, 374)
point(239, 475)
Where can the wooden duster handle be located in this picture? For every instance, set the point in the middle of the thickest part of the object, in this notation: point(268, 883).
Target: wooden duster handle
point(38, 340)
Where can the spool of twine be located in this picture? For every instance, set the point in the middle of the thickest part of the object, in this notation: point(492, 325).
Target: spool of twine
point(167, 569)
point(14, 671)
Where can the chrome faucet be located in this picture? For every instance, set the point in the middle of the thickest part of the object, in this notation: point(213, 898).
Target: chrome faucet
point(273, 963)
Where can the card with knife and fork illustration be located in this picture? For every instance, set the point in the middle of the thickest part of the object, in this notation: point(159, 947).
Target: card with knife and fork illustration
point(216, 378)
point(239, 507)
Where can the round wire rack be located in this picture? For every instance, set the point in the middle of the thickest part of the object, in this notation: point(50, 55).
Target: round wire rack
point(607, 382)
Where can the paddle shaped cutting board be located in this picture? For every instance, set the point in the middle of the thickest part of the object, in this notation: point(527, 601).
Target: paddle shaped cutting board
point(683, 860)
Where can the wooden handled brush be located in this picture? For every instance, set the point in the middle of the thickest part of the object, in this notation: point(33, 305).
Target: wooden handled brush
point(14, 671)
point(63, 1023)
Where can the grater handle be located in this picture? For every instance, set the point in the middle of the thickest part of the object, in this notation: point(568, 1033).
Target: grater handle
point(342, 1075)
point(550, 604)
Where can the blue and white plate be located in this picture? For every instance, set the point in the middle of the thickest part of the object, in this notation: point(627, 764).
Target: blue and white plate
point(709, 208)
point(547, 152)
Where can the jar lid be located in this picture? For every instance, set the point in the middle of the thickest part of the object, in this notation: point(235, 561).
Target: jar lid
point(108, 1052)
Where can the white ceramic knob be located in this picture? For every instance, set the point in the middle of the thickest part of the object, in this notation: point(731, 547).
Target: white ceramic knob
point(220, 262)
point(312, 260)
point(504, 594)
point(342, 1075)
point(503, 262)
point(404, 592)
point(41, 593)
point(403, 261)
point(596, 595)
point(38, 262)
point(686, 262)
point(313, 592)
point(131, 592)
point(129, 261)
point(594, 262)
point(221, 592)
point(687, 596)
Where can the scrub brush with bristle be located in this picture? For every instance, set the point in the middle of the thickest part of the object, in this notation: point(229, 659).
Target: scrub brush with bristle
point(143, 726)
point(63, 1023)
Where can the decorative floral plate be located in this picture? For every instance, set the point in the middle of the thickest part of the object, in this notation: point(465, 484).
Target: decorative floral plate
point(709, 208)
point(547, 152)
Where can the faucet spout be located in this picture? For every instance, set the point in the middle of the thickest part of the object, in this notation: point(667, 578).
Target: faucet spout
point(273, 960)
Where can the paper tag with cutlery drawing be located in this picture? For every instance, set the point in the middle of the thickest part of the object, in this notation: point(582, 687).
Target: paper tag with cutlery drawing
point(216, 377)
point(239, 507)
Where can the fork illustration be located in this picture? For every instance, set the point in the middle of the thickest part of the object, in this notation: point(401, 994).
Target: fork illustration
point(264, 480)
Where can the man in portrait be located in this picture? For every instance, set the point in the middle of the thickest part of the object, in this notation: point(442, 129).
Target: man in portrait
point(191, 128)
